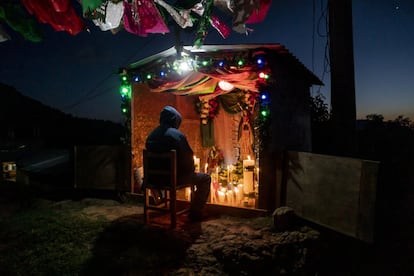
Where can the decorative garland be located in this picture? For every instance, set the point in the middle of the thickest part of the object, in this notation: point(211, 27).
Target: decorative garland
point(139, 17)
point(207, 109)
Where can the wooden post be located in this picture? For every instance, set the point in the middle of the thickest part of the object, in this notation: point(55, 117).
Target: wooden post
point(342, 77)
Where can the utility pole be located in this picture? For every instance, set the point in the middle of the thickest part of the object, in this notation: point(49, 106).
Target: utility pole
point(341, 52)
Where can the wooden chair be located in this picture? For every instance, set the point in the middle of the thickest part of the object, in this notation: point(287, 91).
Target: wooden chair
point(160, 174)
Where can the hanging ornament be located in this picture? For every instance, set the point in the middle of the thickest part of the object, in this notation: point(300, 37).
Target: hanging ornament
point(204, 23)
point(143, 17)
point(242, 11)
point(108, 16)
point(219, 25)
point(259, 13)
point(45, 12)
point(182, 18)
point(226, 6)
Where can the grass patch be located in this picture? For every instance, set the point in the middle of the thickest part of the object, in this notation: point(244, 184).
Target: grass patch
point(47, 242)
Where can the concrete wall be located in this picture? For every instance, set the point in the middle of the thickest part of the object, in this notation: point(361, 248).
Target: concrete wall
point(336, 192)
point(102, 167)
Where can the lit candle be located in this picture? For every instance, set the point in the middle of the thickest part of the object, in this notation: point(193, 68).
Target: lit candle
point(248, 177)
point(221, 195)
point(206, 168)
point(238, 190)
point(230, 197)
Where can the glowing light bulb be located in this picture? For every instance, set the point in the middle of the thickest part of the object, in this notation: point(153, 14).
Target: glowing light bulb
point(226, 86)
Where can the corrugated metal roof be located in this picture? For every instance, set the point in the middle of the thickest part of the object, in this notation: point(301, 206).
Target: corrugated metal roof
point(219, 51)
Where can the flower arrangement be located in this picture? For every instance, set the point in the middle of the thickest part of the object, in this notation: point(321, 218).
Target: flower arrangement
point(207, 109)
point(215, 157)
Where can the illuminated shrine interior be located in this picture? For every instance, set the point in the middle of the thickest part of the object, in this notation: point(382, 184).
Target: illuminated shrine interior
point(223, 93)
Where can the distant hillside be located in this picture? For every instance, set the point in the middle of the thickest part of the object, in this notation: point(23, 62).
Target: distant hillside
point(23, 119)
point(15, 107)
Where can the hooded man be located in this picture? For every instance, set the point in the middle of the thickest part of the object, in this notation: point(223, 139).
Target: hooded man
point(166, 137)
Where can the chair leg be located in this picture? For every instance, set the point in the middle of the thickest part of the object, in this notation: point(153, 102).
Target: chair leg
point(173, 207)
point(146, 204)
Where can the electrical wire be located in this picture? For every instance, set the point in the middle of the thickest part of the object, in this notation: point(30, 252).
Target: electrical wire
point(322, 30)
point(92, 93)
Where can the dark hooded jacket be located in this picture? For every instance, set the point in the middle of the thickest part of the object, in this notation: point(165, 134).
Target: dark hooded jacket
point(167, 137)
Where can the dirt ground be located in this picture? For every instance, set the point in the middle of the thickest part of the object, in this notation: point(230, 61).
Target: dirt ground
point(225, 245)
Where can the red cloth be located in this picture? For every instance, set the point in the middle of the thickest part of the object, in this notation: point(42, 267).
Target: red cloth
point(220, 26)
point(259, 15)
point(60, 5)
point(45, 11)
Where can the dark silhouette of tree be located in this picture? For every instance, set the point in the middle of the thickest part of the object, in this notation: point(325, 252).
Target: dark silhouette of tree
point(320, 124)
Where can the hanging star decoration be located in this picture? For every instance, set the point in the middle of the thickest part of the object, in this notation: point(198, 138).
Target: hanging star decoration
point(139, 17)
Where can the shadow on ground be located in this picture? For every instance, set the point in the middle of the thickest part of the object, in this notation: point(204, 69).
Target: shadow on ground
point(128, 247)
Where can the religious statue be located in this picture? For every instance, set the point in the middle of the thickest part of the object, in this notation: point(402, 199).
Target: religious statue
point(245, 137)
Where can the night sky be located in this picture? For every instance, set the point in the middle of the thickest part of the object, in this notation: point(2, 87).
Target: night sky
point(77, 74)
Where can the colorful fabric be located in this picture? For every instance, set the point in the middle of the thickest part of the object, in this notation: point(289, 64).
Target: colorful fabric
point(60, 5)
point(207, 83)
point(192, 83)
point(109, 15)
point(18, 19)
point(182, 18)
point(244, 80)
point(45, 12)
point(142, 17)
point(259, 14)
point(242, 11)
point(90, 5)
point(204, 23)
point(219, 25)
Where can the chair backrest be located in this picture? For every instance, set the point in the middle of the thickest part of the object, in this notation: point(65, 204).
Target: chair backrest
point(160, 169)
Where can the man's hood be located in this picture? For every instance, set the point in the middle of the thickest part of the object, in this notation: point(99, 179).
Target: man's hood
point(170, 117)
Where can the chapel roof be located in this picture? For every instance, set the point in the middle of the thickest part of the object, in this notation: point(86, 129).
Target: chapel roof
point(224, 51)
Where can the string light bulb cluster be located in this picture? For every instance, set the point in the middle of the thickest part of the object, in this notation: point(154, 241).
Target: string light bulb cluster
point(171, 69)
point(125, 91)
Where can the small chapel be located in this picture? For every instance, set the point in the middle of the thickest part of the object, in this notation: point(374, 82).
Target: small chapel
point(242, 106)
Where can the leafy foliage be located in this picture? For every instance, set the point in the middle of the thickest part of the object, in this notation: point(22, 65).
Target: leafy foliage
point(320, 112)
point(320, 124)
